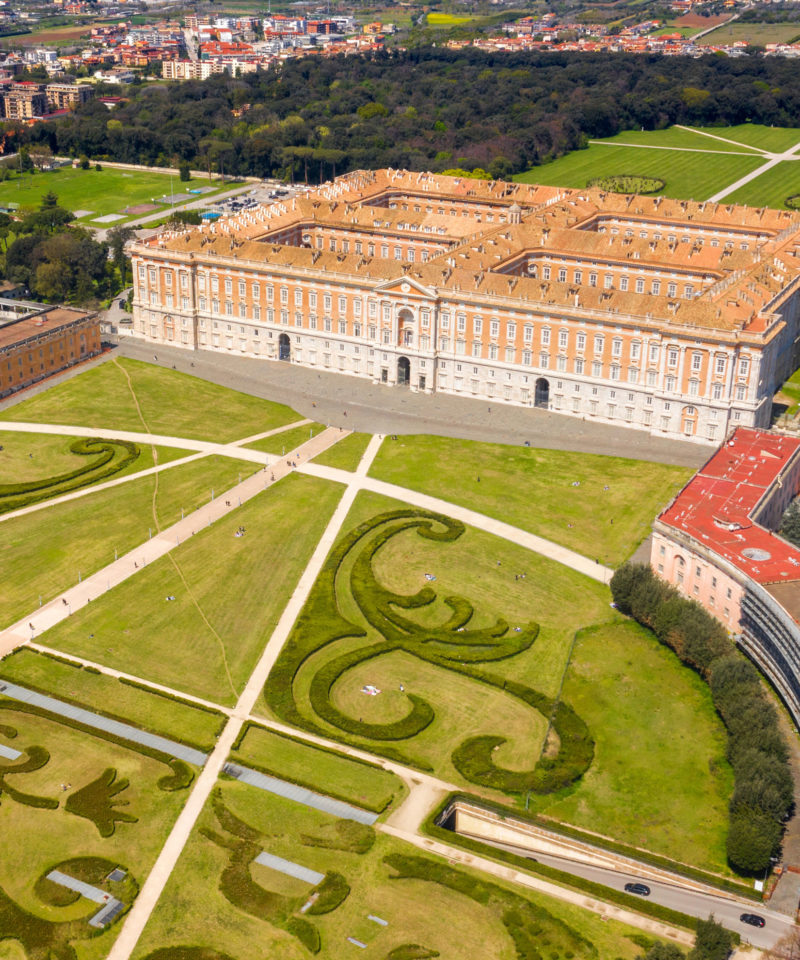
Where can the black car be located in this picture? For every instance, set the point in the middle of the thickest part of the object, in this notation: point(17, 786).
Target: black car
point(753, 919)
point(640, 888)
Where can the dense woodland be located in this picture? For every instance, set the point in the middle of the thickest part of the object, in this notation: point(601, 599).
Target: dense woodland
point(428, 108)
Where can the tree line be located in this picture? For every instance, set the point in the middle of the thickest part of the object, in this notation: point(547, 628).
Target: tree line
point(422, 108)
point(763, 789)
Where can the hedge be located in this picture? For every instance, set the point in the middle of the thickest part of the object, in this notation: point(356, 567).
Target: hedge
point(594, 840)
point(628, 183)
point(451, 646)
point(37, 757)
point(331, 893)
point(96, 802)
point(350, 837)
point(171, 762)
point(411, 951)
point(187, 953)
point(763, 787)
point(14, 496)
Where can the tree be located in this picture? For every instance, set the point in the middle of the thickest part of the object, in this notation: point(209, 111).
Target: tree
point(49, 200)
point(713, 941)
point(663, 951)
point(184, 172)
point(117, 238)
point(753, 837)
point(790, 523)
point(41, 155)
point(787, 948)
point(84, 162)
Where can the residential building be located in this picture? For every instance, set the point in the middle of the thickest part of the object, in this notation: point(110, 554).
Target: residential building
point(24, 100)
point(67, 96)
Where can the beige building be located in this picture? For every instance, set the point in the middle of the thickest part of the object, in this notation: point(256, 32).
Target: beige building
point(190, 69)
point(675, 317)
point(67, 96)
point(24, 100)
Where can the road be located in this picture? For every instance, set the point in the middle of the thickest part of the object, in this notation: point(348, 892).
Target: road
point(726, 911)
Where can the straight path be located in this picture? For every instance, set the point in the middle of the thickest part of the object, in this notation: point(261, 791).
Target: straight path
point(98, 722)
point(137, 559)
point(774, 160)
point(655, 146)
point(735, 143)
point(157, 879)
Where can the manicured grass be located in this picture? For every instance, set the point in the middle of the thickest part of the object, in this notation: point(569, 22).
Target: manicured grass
point(791, 390)
point(194, 911)
point(772, 187)
point(447, 20)
point(172, 404)
point(240, 583)
point(101, 192)
point(686, 175)
point(153, 712)
point(557, 598)
point(52, 456)
point(288, 440)
point(346, 454)
point(774, 139)
point(756, 34)
point(660, 779)
point(46, 837)
point(533, 489)
point(686, 138)
point(45, 551)
point(322, 770)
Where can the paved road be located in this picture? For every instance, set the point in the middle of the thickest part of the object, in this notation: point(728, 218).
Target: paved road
point(694, 903)
point(373, 408)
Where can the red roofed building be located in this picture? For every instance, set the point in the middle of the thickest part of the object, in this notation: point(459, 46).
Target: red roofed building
point(716, 543)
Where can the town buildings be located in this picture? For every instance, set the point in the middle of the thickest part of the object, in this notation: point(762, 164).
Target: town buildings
point(37, 341)
point(675, 317)
point(715, 543)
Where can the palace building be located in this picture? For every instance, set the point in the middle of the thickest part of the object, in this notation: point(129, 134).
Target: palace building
point(676, 317)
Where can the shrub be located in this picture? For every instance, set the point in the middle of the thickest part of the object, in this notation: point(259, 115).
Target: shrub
point(180, 778)
point(37, 757)
point(628, 183)
point(713, 941)
point(411, 951)
point(187, 953)
point(332, 892)
point(305, 932)
point(349, 836)
point(96, 802)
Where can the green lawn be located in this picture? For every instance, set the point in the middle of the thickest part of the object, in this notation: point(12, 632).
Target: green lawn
point(772, 187)
point(346, 454)
point(47, 837)
point(171, 403)
point(194, 910)
point(241, 585)
point(46, 550)
point(791, 391)
point(95, 691)
point(288, 440)
point(686, 175)
point(51, 456)
point(756, 34)
point(774, 139)
point(687, 138)
point(322, 770)
point(533, 489)
point(101, 192)
point(660, 779)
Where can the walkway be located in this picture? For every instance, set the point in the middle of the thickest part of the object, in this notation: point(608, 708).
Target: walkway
point(154, 885)
point(98, 722)
point(137, 559)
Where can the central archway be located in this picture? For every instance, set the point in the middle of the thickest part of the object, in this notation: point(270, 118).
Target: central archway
point(284, 347)
point(541, 397)
point(403, 372)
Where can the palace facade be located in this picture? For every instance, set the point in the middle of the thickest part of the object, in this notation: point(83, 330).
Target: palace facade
point(676, 317)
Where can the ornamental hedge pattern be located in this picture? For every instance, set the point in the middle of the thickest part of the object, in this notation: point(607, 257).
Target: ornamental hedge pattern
point(111, 457)
point(348, 578)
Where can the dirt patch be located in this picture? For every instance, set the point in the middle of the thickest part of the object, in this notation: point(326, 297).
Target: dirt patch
point(57, 33)
point(695, 20)
point(141, 208)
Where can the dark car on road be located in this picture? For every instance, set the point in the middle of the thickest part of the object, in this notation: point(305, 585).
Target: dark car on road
point(639, 888)
point(753, 919)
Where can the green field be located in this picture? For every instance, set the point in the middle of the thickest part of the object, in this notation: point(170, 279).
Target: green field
point(229, 592)
point(533, 489)
point(49, 548)
point(436, 19)
point(99, 692)
point(244, 912)
point(772, 188)
point(756, 34)
point(660, 769)
point(44, 919)
point(287, 440)
point(169, 402)
point(346, 454)
point(333, 668)
point(100, 192)
point(359, 783)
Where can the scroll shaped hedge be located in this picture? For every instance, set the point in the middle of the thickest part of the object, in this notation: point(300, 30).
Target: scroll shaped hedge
point(112, 456)
point(453, 645)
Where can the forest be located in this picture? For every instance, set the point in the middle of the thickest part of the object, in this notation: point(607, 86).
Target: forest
point(426, 108)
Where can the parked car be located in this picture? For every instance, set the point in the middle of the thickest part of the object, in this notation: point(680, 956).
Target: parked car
point(641, 889)
point(753, 919)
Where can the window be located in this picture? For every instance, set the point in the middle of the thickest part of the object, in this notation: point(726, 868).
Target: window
point(342, 304)
point(597, 369)
point(578, 276)
point(669, 383)
point(563, 339)
point(623, 283)
point(672, 289)
point(579, 365)
point(672, 357)
point(633, 375)
point(546, 273)
point(228, 285)
point(544, 360)
point(298, 297)
point(599, 343)
point(639, 285)
point(614, 371)
point(528, 333)
point(697, 362)
point(562, 275)
point(656, 287)
point(741, 392)
point(527, 357)
point(511, 331)
point(719, 366)
point(477, 326)
point(744, 367)
point(461, 323)
point(688, 291)
point(545, 336)
point(592, 279)
point(561, 363)
point(616, 347)
point(608, 281)
point(694, 388)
